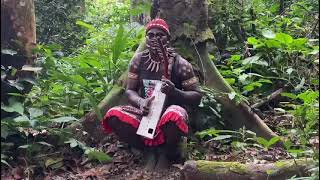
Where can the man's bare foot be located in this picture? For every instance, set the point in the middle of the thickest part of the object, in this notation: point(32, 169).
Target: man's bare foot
point(162, 163)
point(150, 161)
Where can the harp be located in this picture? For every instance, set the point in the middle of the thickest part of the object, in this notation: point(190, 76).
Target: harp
point(149, 122)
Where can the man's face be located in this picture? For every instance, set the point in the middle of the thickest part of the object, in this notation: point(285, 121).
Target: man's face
point(154, 34)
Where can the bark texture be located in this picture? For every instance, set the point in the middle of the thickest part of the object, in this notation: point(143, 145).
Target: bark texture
point(18, 38)
point(210, 170)
point(18, 27)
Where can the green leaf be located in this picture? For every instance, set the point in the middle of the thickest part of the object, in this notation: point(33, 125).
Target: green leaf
point(315, 81)
point(300, 41)
point(243, 77)
point(73, 143)
point(45, 143)
point(300, 85)
point(262, 141)
point(289, 70)
point(5, 162)
point(64, 119)
point(25, 146)
point(100, 156)
point(79, 80)
point(296, 151)
point(271, 43)
point(309, 96)
point(289, 95)
point(8, 51)
point(235, 57)
point(232, 95)
point(230, 81)
point(14, 106)
point(284, 38)
point(51, 162)
point(4, 131)
point(273, 141)
point(208, 132)
point(314, 51)
point(35, 112)
point(268, 34)
point(119, 43)
point(85, 25)
point(251, 60)
point(221, 137)
point(265, 81)
point(22, 118)
point(252, 86)
point(253, 41)
point(94, 104)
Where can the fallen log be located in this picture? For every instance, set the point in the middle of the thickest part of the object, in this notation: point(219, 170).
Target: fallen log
point(211, 170)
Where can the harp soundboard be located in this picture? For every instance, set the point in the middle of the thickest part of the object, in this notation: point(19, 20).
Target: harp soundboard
point(149, 122)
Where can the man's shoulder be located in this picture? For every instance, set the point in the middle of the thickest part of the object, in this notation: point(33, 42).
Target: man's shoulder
point(180, 61)
point(138, 56)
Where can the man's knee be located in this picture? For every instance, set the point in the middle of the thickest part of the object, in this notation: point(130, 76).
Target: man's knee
point(113, 122)
point(172, 133)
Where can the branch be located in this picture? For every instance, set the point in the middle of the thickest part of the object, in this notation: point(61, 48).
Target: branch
point(268, 98)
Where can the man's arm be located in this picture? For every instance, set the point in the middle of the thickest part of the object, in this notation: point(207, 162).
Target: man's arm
point(132, 82)
point(192, 98)
point(132, 94)
point(191, 95)
point(132, 88)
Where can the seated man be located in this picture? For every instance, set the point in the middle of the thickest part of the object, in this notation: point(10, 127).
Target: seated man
point(181, 88)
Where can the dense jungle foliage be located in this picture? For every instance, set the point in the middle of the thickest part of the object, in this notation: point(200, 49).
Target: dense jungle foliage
point(83, 47)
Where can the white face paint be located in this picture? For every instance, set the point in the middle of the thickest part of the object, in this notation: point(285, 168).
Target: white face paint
point(151, 39)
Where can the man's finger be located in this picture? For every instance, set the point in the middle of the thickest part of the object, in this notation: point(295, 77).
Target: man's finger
point(167, 81)
point(145, 112)
point(150, 100)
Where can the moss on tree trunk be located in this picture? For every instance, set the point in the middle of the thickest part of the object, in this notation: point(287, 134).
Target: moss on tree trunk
point(210, 170)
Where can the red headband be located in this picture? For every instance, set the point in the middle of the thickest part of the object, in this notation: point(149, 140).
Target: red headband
point(158, 23)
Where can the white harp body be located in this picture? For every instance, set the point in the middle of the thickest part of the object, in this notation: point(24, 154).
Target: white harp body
point(149, 122)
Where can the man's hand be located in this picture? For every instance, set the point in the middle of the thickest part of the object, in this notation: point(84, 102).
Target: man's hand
point(145, 105)
point(167, 86)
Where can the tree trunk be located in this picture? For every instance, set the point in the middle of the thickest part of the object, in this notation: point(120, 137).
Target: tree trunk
point(210, 170)
point(18, 38)
point(189, 33)
point(143, 17)
point(18, 30)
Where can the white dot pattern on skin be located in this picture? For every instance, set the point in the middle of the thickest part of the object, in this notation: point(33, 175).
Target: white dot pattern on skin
point(184, 74)
point(189, 70)
point(184, 68)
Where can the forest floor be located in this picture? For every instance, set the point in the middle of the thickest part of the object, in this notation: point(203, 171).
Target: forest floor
point(128, 165)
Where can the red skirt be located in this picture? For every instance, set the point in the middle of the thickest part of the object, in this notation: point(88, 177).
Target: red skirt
point(132, 116)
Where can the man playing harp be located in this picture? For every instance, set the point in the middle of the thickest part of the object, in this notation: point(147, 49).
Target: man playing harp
point(178, 83)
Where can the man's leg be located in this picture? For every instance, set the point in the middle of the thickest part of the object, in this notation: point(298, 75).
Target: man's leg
point(125, 132)
point(169, 151)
